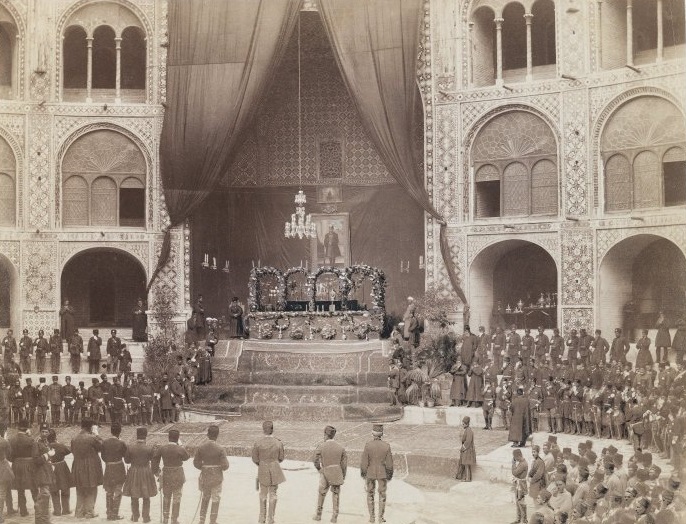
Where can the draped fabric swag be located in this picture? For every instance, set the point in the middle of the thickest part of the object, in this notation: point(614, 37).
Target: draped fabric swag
point(375, 44)
point(221, 58)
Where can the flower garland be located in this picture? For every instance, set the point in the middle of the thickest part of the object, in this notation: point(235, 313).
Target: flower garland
point(378, 279)
point(328, 332)
point(343, 284)
point(254, 287)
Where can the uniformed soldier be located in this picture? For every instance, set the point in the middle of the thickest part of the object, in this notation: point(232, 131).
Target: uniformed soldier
point(268, 453)
point(513, 342)
point(541, 345)
point(619, 347)
point(42, 348)
point(25, 351)
point(172, 477)
point(112, 454)
point(572, 344)
point(23, 446)
point(113, 352)
point(146, 393)
point(55, 351)
point(30, 400)
point(140, 481)
point(117, 401)
point(9, 347)
point(93, 352)
point(527, 349)
point(42, 401)
point(55, 398)
point(43, 475)
point(17, 402)
point(376, 468)
point(82, 404)
point(60, 490)
point(75, 350)
point(331, 461)
point(585, 341)
point(86, 468)
point(97, 404)
point(519, 473)
point(5, 401)
point(556, 347)
point(488, 406)
point(133, 401)
point(498, 342)
point(211, 460)
point(68, 400)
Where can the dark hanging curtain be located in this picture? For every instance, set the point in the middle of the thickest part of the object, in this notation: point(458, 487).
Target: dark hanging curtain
point(221, 58)
point(375, 44)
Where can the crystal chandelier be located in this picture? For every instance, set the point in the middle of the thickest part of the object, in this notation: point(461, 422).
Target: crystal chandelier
point(301, 224)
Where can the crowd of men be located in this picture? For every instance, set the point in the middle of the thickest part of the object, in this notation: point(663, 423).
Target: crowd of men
point(593, 487)
point(39, 466)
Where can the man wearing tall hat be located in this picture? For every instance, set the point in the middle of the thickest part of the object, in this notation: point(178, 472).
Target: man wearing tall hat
point(140, 481)
point(75, 347)
point(94, 354)
point(25, 351)
point(42, 348)
point(6, 473)
point(86, 468)
point(211, 460)
point(30, 395)
point(9, 347)
point(467, 453)
point(69, 400)
point(43, 475)
point(268, 453)
point(55, 351)
point(376, 468)
point(331, 461)
point(55, 398)
point(172, 477)
point(23, 447)
point(113, 351)
point(112, 454)
point(61, 488)
point(519, 472)
point(520, 427)
point(117, 401)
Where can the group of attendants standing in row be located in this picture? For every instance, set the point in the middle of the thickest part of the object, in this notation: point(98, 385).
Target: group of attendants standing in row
point(39, 466)
point(587, 488)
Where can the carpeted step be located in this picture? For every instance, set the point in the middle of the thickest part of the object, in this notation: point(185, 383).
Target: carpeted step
point(260, 394)
point(322, 412)
point(304, 378)
point(289, 362)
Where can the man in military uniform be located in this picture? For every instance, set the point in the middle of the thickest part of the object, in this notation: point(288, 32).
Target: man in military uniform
point(211, 460)
point(55, 351)
point(376, 468)
point(9, 347)
point(113, 352)
point(25, 351)
point(75, 350)
point(97, 404)
point(556, 347)
point(172, 477)
point(43, 475)
point(23, 447)
point(146, 393)
point(42, 347)
point(112, 454)
point(572, 344)
point(488, 406)
point(585, 341)
point(106, 388)
point(82, 404)
point(133, 401)
point(619, 348)
point(69, 400)
point(331, 461)
point(55, 398)
point(140, 481)
point(513, 343)
point(30, 400)
point(527, 346)
point(541, 345)
point(42, 400)
point(599, 348)
point(16, 395)
point(268, 453)
point(117, 401)
point(519, 472)
point(498, 342)
point(93, 352)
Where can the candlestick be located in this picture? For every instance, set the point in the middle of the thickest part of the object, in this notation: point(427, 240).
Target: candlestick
point(253, 264)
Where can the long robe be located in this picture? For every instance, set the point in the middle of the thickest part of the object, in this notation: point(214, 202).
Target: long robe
point(236, 321)
point(67, 322)
point(458, 389)
point(139, 323)
point(469, 345)
point(468, 451)
point(476, 384)
point(204, 368)
point(520, 427)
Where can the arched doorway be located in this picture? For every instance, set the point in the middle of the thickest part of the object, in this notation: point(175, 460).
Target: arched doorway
point(9, 295)
point(639, 277)
point(103, 286)
point(507, 273)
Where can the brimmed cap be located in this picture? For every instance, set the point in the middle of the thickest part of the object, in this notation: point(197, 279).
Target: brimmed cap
point(377, 430)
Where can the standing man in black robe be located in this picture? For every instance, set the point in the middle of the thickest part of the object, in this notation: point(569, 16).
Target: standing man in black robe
point(520, 427)
point(199, 319)
point(67, 322)
point(93, 353)
point(75, 351)
point(139, 322)
point(112, 454)
point(25, 351)
point(236, 323)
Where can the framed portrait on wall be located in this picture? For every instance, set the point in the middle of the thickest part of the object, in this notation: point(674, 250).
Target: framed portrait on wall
point(331, 247)
point(329, 194)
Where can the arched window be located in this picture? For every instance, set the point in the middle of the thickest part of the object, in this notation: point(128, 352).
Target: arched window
point(515, 165)
point(8, 196)
point(104, 58)
point(8, 55)
point(104, 176)
point(514, 37)
point(643, 146)
point(132, 59)
point(543, 33)
point(117, 54)
point(483, 47)
point(75, 54)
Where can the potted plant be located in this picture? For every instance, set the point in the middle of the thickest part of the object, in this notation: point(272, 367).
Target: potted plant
point(425, 389)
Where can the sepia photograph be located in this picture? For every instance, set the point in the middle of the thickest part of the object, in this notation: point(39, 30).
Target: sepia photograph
point(350, 261)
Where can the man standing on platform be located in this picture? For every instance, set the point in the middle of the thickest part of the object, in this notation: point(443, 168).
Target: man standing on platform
point(411, 323)
point(9, 347)
point(599, 348)
point(268, 453)
point(30, 395)
point(42, 348)
point(140, 482)
point(86, 468)
point(520, 427)
point(376, 467)
point(93, 353)
point(112, 453)
point(55, 351)
point(541, 345)
point(25, 351)
point(75, 350)
point(55, 397)
point(172, 477)
point(69, 400)
point(469, 345)
point(211, 460)
point(513, 342)
point(619, 348)
point(331, 461)
point(113, 352)
point(236, 323)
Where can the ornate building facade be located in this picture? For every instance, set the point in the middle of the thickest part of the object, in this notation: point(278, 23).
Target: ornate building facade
point(82, 90)
point(555, 146)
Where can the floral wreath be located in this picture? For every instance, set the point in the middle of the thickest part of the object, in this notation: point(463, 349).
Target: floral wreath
point(288, 274)
point(378, 279)
point(343, 284)
point(254, 282)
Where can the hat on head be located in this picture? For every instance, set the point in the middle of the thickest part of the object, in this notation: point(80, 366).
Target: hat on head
point(23, 424)
point(41, 380)
point(517, 453)
point(174, 435)
point(330, 431)
point(86, 423)
point(535, 447)
point(591, 456)
point(377, 430)
point(94, 380)
point(28, 380)
point(466, 420)
point(141, 433)
point(267, 426)
point(668, 495)
point(552, 438)
point(43, 426)
point(545, 495)
point(566, 451)
point(103, 376)
point(611, 449)
point(67, 378)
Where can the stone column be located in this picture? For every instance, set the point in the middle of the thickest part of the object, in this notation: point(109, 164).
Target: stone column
point(470, 55)
point(117, 85)
point(529, 57)
point(599, 35)
point(499, 51)
point(89, 70)
point(660, 32)
point(629, 32)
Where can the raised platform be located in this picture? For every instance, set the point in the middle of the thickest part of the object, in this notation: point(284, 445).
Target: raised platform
point(304, 380)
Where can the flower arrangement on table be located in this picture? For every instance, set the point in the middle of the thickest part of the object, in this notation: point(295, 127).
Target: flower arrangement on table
point(264, 330)
point(254, 287)
point(361, 330)
point(282, 326)
point(328, 332)
point(347, 324)
point(297, 333)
